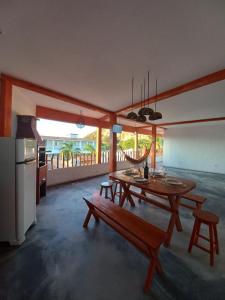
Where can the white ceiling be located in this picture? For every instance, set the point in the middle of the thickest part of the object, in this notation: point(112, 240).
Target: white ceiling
point(202, 103)
point(91, 49)
point(49, 102)
point(46, 101)
point(212, 123)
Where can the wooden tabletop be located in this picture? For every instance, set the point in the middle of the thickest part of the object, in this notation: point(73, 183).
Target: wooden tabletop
point(156, 185)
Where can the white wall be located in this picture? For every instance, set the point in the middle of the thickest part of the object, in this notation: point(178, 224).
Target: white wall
point(198, 147)
point(20, 106)
point(64, 175)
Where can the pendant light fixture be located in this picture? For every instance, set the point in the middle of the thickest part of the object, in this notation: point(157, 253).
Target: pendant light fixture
point(80, 122)
point(156, 114)
point(141, 118)
point(132, 115)
point(141, 111)
point(146, 110)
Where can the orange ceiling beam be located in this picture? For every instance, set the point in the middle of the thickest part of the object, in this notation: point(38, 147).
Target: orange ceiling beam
point(104, 118)
point(58, 115)
point(124, 117)
point(136, 129)
point(6, 101)
point(54, 94)
point(193, 121)
point(197, 83)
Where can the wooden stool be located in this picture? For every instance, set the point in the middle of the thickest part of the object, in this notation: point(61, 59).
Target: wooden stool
point(211, 220)
point(107, 185)
point(117, 193)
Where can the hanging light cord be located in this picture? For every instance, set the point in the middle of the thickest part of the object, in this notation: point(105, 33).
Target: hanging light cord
point(148, 89)
point(156, 88)
point(132, 92)
point(144, 92)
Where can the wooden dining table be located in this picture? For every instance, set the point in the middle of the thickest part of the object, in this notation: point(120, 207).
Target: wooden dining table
point(159, 187)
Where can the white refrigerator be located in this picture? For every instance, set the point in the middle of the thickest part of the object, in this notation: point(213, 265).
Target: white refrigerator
point(18, 167)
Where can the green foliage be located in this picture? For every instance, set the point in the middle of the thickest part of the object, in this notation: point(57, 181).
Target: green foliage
point(127, 144)
point(77, 150)
point(126, 140)
point(144, 142)
point(67, 150)
point(105, 136)
point(89, 148)
point(105, 147)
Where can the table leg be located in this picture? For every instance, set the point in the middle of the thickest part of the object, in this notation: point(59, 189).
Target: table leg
point(142, 193)
point(174, 219)
point(126, 194)
point(177, 220)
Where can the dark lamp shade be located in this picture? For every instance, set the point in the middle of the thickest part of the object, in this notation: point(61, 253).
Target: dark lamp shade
point(145, 111)
point(158, 115)
point(155, 116)
point(141, 119)
point(132, 115)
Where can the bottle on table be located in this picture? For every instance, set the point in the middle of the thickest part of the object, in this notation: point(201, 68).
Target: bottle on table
point(146, 170)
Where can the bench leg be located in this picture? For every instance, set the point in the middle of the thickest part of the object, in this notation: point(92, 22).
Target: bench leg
point(216, 239)
point(115, 191)
point(198, 206)
point(112, 196)
point(159, 267)
point(211, 238)
point(153, 266)
point(95, 216)
point(87, 219)
point(142, 193)
point(193, 236)
point(148, 281)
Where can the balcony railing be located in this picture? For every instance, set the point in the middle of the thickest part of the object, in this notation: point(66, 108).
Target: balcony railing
point(59, 160)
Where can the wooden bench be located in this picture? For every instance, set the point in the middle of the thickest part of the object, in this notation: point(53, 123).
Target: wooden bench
point(146, 237)
point(197, 199)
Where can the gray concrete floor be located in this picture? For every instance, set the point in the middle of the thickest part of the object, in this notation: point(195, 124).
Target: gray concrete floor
point(60, 260)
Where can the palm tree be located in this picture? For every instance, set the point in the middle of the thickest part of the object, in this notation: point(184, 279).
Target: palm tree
point(67, 151)
point(89, 148)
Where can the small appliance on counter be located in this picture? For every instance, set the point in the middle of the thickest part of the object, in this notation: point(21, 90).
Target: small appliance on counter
point(18, 167)
point(41, 156)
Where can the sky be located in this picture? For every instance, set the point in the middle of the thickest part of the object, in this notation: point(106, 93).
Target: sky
point(61, 129)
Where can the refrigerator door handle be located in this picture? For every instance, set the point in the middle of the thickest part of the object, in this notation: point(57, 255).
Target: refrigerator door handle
point(27, 161)
point(30, 159)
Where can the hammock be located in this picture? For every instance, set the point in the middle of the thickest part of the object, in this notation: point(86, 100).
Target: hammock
point(137, 160)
